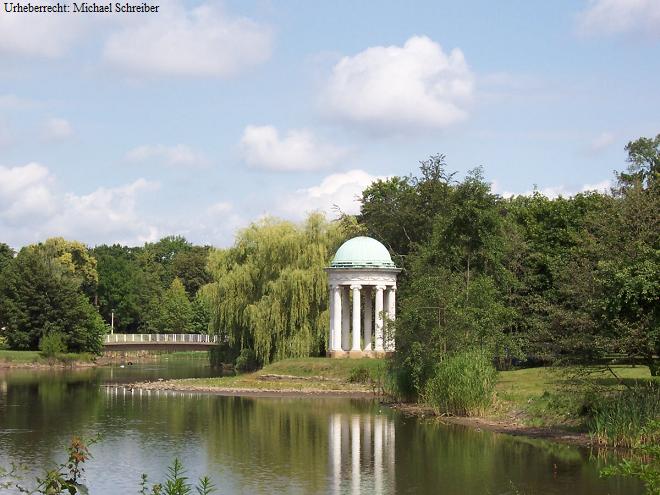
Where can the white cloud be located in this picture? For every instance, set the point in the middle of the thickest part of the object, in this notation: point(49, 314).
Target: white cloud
point(556, 191)
point(32, 209)
point(621, 16)
point(203, 41)
point(299, 150)
point(404, 88)
point(40, 35)
point(25, 194)
point(179, 155)
point(341, 190)
point(57, 129)
point(602, 141)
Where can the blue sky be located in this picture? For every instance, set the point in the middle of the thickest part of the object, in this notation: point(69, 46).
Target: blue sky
point(209, 115)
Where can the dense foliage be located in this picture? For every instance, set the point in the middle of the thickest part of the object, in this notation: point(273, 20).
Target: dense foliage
point(41, 294)
point(61, 290)
point(526, 279)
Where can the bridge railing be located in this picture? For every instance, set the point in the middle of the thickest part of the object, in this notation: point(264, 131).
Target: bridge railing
point(165, 338)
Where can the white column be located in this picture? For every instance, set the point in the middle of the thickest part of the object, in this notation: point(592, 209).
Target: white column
point(379, 318)
point(368, 318)
point(391, 314)
point(345, 318)
point(335, 451)
point(331, 308)
point(355, 454)
point(336, 334)
point(356, 317)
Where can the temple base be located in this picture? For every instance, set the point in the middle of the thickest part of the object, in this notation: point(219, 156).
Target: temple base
point(358, 354)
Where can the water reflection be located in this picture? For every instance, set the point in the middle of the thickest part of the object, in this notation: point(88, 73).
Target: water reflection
point(361, 453)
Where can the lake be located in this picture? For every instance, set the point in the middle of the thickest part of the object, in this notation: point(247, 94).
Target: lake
point(251, 445)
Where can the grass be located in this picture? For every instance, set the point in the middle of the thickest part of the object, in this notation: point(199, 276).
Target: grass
point(614, 411)
point(35, 357)
point(298, 374)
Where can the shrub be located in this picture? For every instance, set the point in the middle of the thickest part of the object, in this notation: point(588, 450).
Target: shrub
point(359, 374)
point(51, 344)
point(462, 384)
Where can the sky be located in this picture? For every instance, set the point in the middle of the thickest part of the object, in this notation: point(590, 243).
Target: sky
point(206, 116)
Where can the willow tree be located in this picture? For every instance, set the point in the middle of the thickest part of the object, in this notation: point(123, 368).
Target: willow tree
point(269, 292)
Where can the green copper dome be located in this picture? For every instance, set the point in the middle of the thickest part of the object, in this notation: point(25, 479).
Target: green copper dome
point(362, 252)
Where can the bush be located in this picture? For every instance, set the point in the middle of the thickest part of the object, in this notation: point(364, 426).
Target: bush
point(52, 344)
point(246, 361)
point(359, 374)
point(462, 384)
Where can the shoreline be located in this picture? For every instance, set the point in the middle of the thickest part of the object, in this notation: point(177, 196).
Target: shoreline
point(167, 385)
point(6, 365)
point(501, 425)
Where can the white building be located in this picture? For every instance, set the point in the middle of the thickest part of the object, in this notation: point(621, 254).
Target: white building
point(362, 280)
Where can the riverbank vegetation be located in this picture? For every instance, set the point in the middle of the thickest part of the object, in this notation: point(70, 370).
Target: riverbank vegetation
point(28, 359)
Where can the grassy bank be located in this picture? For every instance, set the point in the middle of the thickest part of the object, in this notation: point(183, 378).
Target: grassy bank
point(302, 375)
point(613, 410)
point(29, 359)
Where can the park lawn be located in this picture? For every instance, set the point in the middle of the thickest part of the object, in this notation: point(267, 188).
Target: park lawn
point(19, 356)
point(28, 358)
point(555, 397)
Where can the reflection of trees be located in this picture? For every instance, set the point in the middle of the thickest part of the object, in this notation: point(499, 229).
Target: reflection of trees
point(43, 409)
point(457, 459)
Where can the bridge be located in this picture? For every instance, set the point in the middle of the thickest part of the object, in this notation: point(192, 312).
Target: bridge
point(159, 342)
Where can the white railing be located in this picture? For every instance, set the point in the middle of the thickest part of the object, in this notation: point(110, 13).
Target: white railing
point(164, 338)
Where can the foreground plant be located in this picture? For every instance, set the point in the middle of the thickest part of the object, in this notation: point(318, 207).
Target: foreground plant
point(177, 483)
point(646, 466)
point(66, 477)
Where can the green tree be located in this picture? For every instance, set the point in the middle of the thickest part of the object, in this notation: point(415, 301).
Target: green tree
point(39, 295)
point(125, 287)
point(172, 312)
point(629, 256)
point(454, 293)
point(75, 258)
point(158, 258)
point(6, 255)
point(190, 267)
point(201, 315)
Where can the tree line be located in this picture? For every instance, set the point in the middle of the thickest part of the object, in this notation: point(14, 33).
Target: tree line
point(526, 279)
point(65, 288)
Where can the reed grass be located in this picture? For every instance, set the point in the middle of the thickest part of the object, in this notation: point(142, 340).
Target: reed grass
point(622, 418)
point(462, 385)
